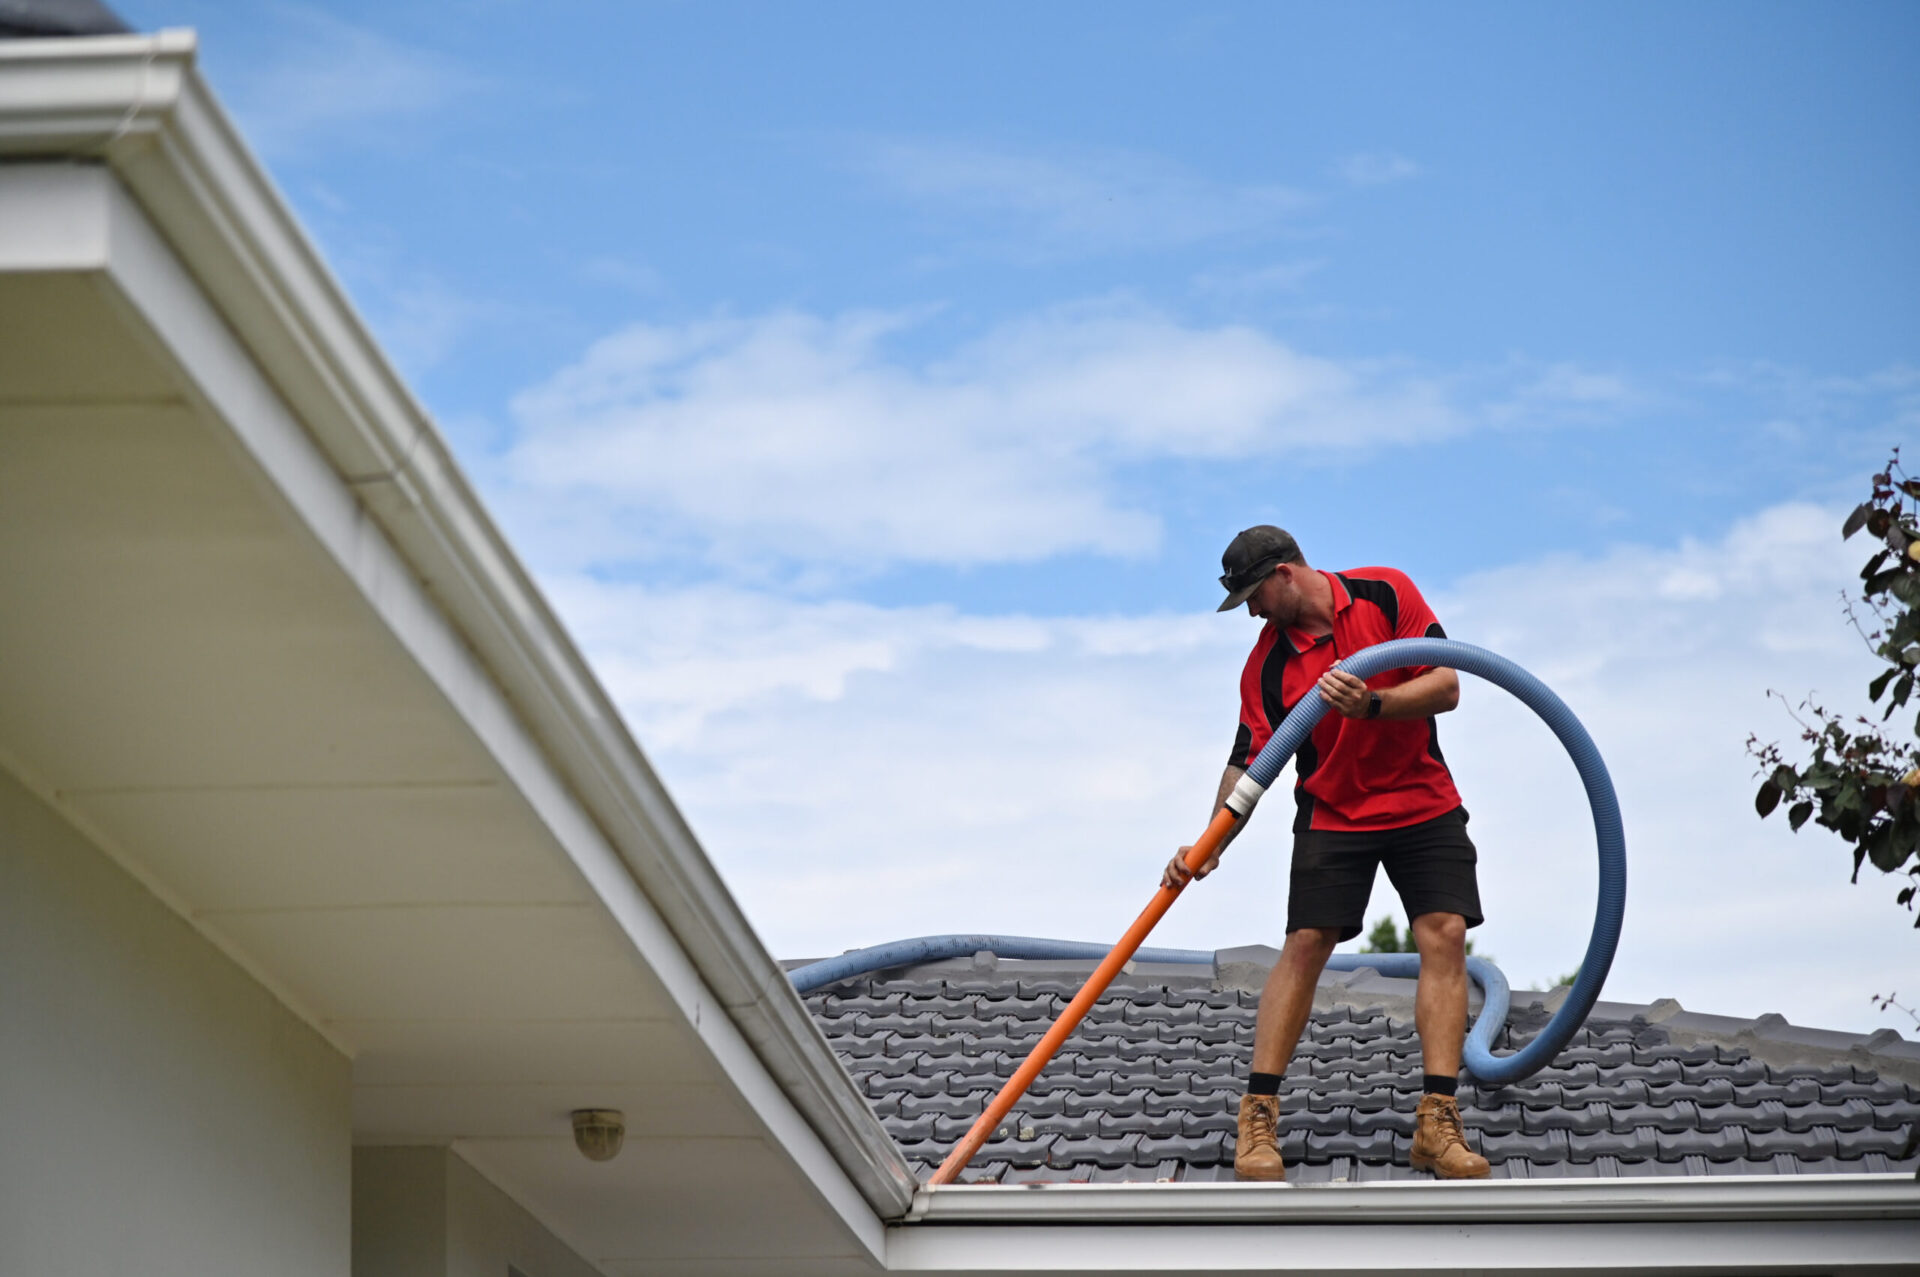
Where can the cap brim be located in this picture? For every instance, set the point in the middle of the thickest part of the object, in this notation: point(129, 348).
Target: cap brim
point(1239, 596)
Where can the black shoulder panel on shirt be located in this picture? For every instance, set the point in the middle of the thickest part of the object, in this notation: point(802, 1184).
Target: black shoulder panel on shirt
point(1273, 684)
point(1242, 746)
point(1378, 593)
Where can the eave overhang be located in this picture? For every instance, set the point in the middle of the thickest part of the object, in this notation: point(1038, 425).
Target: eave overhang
point(137, 106)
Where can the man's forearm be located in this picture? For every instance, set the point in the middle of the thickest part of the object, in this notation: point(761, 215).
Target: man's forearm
point(1228, 779)
point(1435, 692)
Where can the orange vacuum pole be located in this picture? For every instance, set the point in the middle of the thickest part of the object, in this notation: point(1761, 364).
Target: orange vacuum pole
point(1083, 1001)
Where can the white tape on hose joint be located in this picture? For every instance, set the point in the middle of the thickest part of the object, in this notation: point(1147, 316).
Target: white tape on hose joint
point(1246, 792)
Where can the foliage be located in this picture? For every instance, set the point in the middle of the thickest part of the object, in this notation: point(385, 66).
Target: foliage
point(1387, 938)
point(1862, 779)
point(1892, 1002)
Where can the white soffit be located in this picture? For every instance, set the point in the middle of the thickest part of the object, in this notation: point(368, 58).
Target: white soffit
point(263, 644)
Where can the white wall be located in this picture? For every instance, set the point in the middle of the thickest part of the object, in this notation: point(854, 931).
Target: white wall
point(423, 1212)
point(160, 1112)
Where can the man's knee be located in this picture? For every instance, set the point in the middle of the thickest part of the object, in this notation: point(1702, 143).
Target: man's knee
point(1313, 943)
point(1440, 934)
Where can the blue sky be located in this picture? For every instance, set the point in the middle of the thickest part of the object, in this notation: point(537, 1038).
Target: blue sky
point(873, 388)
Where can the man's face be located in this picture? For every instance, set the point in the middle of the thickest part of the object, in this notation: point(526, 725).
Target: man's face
point(1278, 598)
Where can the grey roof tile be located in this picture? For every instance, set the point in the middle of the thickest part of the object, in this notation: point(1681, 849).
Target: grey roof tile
point(1797, 1090)
point(1583, 1120)
point(1889, 1144)
point(1767, 1115)
point(1206, 1122)
point(1546, 1147)
point(1623, 1090)
point(1670, 1117)
point(1503, 1120)
point(1744, 1070)
point(1854, 1115)
point(1817, 1141)
point(1719, 1146)
point(1375, 1146)
point(915, 1106)
point(1097, 1151)
point(1632, 1144)
point(1141, 1123)
point(907, 1084)
point(1716, 1090)
point(1184, 1148)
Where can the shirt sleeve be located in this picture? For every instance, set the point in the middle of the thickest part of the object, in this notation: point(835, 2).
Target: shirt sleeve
point(1416, 617)
point(1242, 746)
point(1416, 620)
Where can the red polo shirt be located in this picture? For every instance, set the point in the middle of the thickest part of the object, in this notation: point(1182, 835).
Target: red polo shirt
point(1354, 774)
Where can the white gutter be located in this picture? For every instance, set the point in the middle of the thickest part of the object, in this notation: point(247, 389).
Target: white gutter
point(137, 104)
point(1728, 1198)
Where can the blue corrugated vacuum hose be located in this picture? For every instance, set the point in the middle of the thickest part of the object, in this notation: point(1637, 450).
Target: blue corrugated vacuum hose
point(1498, 670)
point(907, 953)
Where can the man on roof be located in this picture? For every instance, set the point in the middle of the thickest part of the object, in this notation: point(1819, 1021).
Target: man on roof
point(1372, 790)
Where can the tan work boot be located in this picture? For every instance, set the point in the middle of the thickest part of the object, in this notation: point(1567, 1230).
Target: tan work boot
point(1440, 1142)
point(1256, 1152)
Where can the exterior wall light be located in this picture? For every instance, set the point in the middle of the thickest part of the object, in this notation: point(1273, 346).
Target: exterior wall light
point(598, 1133)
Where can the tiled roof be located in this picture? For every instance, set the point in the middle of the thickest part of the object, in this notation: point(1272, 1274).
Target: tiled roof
point(1147, 1088)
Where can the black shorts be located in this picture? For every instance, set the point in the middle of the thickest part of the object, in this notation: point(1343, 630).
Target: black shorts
point(1430, 864)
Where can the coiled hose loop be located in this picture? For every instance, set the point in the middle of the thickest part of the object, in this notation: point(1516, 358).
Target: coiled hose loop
point(1608, 833)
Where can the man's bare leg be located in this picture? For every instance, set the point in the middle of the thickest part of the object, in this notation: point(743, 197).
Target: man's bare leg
point(1440, 1002)
point(1287, 1000)
point(1285, 1004)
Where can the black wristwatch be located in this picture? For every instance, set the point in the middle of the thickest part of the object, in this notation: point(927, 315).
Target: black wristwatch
point(1373, 704)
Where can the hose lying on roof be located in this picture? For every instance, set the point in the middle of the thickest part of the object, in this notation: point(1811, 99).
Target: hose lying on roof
point(1478, 1055)
point(1494, 992)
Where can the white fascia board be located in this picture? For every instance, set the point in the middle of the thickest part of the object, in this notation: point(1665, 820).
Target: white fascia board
point(1730, 1198)
point(453, 589)
point(1456, 1249)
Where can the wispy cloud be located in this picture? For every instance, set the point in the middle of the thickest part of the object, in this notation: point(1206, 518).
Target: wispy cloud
point(800, 436)
point(1073, 203)
point(1280, 277)
point(1378, 168)
point(332, 78)
point(619, 272)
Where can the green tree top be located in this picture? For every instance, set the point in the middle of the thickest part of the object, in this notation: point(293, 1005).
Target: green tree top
point(1861, 779)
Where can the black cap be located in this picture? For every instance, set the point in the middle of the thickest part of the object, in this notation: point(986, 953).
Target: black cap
point(1250, 559)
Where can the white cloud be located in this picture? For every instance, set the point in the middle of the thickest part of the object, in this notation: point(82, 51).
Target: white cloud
point(1378, 168)
point(799, 436)
point(421, 320)
point(1076, 203)
point(329, 76)
point(617, 272)
point(1281, 277)
point(863, 773)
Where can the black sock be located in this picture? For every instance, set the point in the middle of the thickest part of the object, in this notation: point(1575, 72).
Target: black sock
point(1436, 1084)
point(1263, 1084)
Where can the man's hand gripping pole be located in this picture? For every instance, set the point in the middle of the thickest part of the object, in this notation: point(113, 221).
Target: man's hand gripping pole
point(1238, 807)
